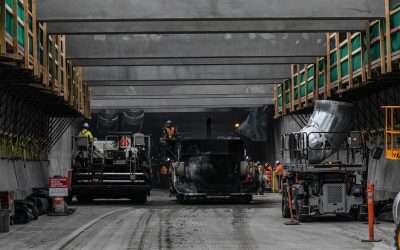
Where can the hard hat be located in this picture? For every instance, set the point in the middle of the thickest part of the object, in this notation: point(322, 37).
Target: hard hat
point(277, 162)
point(258, 163)
point(86, 125)
point(168, 123)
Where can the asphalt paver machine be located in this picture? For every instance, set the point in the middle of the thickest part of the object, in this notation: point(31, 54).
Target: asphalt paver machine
point(325, 165)
point(117, 167)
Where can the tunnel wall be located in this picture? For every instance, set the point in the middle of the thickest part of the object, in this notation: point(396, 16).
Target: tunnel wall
point(384, 173)
point(20, 177)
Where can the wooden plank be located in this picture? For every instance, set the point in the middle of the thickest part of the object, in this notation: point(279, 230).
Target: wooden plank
point(350, 59)
point(363, 68)
point(26, 35)
point(382, 46)
point(283, 98)
point(3, 27)
point(338, 64)
point(388, 37)
point(71, 87)
point(276, 100)
point(327, 93)
point(15, 27)
point(306, 82)
point(53, 60)
point(64, 76)
point(59, 66)
point(298, 87)
point(292, 88)
point(45, 57)
point(35, 41)
point(316, 80)
point(368, 43)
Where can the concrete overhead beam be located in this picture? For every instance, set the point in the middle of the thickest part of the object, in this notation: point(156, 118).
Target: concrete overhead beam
point(193, 27)
point(180, 97)
point(197, 45)
point(180, 103)
point(202, 72)
point(193, 61)
point(95, 10)
point(186, 110)
point(173, 83)
point(182, 90)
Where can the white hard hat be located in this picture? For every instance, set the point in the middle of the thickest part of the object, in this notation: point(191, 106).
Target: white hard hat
point(277, 162)
point(86, 125)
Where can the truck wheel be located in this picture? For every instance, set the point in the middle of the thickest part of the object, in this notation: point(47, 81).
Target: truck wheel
point(285, 207)
point(397, 237)
point(83, 199)
point(299, 210)
point(140, 198)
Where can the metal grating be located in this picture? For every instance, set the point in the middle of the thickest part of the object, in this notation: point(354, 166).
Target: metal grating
point(335, 194)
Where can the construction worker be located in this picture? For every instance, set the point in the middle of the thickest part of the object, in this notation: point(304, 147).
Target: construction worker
point(268, 175)
point(279, 173)
point(169, 130)
point(124, 142)
point(85, 131)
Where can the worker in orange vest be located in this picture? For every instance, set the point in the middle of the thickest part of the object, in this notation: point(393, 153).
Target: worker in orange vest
point(268, 175)
point(279, 173)
point(124, 142)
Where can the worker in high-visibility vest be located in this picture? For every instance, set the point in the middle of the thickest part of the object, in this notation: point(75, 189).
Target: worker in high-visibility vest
point(124, 142)
point(268, 175)
point(85, 131)
point(279, 173)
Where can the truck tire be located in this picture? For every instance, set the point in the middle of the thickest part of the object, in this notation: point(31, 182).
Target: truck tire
point(83, 199)
point(397, 237)
point(299, 210)
point(140, 198)
point(285, 207)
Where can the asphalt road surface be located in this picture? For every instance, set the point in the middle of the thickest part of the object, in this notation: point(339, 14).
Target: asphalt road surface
point(164, 224)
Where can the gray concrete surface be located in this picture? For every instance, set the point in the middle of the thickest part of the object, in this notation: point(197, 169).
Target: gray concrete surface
point(93, 10)
point(164, 224)
point(179, 27)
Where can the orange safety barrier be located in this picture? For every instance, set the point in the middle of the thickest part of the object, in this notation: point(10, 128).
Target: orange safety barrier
point(371, 215)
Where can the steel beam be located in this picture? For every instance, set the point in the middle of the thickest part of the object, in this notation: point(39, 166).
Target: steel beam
point(182, 90)
point(196, 45)
point(195, 27)
point(186, 110)
point(143, 103)
point(173, 83)
point(193, 61)
point(94, 10)
point(202, 72)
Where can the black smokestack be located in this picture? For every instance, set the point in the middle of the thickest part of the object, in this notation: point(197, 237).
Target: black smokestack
point(208, 128)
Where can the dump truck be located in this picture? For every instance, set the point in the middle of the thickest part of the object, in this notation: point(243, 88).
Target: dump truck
point(325, 165)
point(211, 168)
point(117, 167)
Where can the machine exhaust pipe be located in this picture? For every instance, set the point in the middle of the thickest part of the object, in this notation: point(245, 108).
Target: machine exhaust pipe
point(327, 128)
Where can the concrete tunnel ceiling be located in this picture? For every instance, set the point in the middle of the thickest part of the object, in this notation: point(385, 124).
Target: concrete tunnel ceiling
point(195, 55)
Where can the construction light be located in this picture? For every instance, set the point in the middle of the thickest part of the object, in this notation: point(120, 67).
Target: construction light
point(237, 125)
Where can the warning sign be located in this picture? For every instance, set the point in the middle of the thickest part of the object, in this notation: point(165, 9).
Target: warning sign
point(58, 186)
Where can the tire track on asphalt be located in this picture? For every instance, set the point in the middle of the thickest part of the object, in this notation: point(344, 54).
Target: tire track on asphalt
point(242, 228)
point(88, 229)
point(139, 229)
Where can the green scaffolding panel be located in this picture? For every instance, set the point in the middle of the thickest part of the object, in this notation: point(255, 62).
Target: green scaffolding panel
point(344, 68)
point(20, 12)
point(287, 85)
point(356, 61)
point(302, 77)
point(21, 36)
point(295, 83)
point(10, 3)
point(310, 86)
point(287, 96)
point(310, 71)
point(9, 24)
point(333, 58)
point(395, 22)
point(355, 43)
point(344, 51)
point(321, 81)
point(280, 90)
point(280, 101)
point(334, 74)
point(321, 65)
point(296, 93)
point(302, 90)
